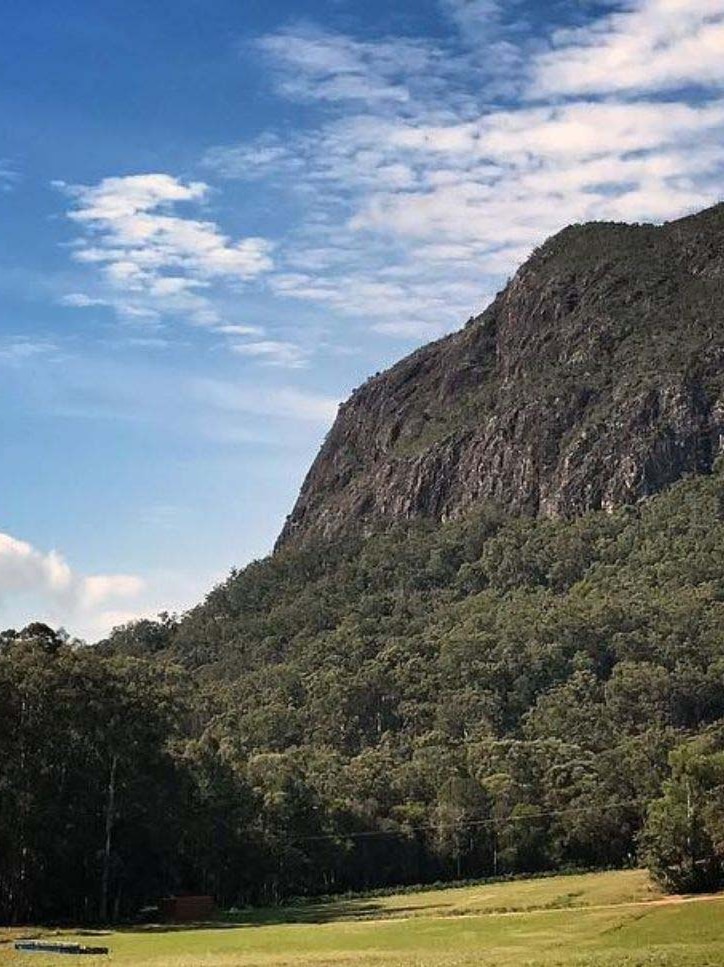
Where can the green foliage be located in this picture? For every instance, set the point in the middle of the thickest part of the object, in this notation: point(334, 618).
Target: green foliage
point(70, 721)
point(494, 695)
point(546, 668)
point(683, 839)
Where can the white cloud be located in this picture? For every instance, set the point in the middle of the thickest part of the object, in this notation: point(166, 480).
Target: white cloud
point(79, 300)
point(550, 165)
point(317, 65)
point(273, 352)
point(234, 330)
point(478, 20)
point(100, 588)
point(23, 568)
point(20, 350)
point(153, 260)
point(418, 207)
point(8, 175)
point(650, 45)
point(250, 161)
point(285, 402)
point(58, 593)
point(404, 303)
point(138, 237)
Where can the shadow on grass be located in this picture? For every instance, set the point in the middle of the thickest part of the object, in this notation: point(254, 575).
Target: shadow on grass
point(304, 913)
point(313, 913)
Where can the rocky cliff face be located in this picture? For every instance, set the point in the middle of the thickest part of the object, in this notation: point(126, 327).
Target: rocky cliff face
point(594, 379)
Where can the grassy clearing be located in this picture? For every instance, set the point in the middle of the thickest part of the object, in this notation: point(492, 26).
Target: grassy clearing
point(593, 920)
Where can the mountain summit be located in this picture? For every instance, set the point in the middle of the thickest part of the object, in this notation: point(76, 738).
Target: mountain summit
point(595, 378)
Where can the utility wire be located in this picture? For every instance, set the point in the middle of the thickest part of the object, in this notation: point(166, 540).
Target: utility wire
point(475, 823)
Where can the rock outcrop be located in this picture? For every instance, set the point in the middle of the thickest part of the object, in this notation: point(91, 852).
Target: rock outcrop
point(594, 379)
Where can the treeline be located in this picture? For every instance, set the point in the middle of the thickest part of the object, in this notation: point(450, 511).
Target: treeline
point(89, 784)
point(490, 696)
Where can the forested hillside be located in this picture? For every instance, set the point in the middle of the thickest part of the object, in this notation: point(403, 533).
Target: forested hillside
point(490, 641)
point(495, 695)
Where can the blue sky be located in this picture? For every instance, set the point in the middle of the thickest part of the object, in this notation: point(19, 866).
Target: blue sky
point(217, 218)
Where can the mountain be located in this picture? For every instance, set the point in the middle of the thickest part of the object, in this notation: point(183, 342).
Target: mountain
point(594, 379)
point(476, 649)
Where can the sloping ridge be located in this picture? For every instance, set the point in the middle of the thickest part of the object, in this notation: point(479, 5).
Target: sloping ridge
point(594, 379)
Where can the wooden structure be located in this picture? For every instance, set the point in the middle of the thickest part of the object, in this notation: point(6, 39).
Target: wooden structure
point(186, 909)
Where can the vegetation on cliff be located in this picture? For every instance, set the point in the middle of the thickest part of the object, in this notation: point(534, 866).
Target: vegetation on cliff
point(592, 380)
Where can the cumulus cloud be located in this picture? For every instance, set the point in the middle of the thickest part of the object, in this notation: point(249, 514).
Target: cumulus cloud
point(154, 262)
point(509, 176)
point(132, 231)
point(152, 259)
point(651, 45)
point(59, 593)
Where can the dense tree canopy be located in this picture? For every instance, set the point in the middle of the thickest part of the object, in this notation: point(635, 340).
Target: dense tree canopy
point(489, 696)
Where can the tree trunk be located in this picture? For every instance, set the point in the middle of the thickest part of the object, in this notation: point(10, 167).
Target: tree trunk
point(110, 807)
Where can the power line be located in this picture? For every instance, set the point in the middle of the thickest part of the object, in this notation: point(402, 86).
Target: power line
point(475, 823)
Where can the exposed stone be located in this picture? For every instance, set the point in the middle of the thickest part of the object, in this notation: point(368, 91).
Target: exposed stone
point(594, 379)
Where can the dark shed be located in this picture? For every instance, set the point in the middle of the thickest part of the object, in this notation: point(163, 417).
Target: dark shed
point(184, 909)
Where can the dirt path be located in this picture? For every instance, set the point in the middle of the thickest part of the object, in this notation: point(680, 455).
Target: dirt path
point(675, 899)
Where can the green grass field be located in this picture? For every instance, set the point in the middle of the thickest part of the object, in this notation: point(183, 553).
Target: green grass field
point(591, 920)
